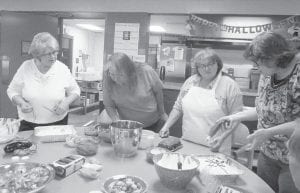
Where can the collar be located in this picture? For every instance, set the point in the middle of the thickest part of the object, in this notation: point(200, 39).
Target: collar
point(214, 82)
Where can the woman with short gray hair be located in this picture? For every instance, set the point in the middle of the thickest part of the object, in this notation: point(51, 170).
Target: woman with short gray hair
point(43, 87)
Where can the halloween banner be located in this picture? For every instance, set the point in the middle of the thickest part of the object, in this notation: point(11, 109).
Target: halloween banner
point(245, 29)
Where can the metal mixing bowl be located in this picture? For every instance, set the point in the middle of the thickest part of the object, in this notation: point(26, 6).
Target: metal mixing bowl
point(125, 137)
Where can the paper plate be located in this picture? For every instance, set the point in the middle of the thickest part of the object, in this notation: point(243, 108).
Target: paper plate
point(219, 165)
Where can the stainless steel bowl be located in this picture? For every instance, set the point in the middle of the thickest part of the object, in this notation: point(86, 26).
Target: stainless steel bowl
point(125, 137)
point(109, 183)
point(15, 177)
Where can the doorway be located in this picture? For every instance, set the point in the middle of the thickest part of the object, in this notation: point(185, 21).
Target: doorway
point(86, 36)
point(83, 47)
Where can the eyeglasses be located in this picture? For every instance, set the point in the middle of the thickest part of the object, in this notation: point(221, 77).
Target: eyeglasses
point(205, 66)
point(49, 54)
point(116, 74)
point(263, 61)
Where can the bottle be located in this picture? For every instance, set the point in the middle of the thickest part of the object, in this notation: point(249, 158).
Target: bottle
point(230, 71)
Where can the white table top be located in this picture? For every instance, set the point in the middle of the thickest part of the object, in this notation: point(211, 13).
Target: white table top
point(249, 182)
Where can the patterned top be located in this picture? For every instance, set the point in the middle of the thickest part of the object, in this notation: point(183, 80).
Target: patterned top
point(278, 103)
point(228, 93)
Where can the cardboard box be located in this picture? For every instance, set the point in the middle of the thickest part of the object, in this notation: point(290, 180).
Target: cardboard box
point(68, 165)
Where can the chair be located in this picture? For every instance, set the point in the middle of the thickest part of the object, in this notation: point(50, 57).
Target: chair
point(239, 139)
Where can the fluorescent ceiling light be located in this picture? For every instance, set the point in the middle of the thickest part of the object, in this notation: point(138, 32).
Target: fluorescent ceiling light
point(246, 21)
point(90, 27)
point(156, 28)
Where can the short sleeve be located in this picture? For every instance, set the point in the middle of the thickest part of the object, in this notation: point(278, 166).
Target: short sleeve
point(73, 87)
point(234, 98)
point(17, 83)
point(183, 90)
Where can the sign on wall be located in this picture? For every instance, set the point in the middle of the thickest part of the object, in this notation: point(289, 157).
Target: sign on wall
point(126, 39)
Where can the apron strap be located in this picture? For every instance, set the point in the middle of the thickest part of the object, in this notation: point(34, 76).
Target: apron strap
point(216, 83)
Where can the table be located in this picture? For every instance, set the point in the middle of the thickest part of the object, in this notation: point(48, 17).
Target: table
point(113, 165)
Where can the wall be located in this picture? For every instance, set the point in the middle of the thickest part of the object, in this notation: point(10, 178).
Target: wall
point(112, 18)
point(15, 28)
point(273, 7)
point(90, 43)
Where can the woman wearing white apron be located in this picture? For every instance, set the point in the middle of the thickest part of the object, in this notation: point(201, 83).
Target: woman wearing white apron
point(203, 99)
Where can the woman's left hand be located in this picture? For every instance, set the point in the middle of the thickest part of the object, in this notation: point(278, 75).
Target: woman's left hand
point(216, 143)
point(61, 108)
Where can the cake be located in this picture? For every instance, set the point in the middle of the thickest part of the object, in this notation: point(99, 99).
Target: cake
point(171, 143)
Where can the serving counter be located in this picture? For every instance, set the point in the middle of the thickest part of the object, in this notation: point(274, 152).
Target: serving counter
point(249, 182)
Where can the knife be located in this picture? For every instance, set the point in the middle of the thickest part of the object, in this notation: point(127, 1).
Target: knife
point(47, 108)
point(213, 130)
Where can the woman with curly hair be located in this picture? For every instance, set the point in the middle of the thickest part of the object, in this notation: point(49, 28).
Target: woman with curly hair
point(277, 107)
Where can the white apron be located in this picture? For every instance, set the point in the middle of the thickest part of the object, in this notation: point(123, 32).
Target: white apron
point(200, 112)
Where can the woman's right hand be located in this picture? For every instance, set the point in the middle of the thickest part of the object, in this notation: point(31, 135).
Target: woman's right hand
point(227, 120)
point(164, 132)
point(26, 107)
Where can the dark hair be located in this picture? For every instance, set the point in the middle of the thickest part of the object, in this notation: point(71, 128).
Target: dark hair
point(123, 64)
point(270, 45)
point(207, 53)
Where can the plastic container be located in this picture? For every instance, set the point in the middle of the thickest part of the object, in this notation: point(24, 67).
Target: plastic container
point(54, 133)
point(147, 139)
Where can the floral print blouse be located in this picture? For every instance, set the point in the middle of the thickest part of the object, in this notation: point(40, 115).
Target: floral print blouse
point(277, 103)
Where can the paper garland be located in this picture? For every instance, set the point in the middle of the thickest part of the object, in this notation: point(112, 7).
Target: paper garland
point(246, 29)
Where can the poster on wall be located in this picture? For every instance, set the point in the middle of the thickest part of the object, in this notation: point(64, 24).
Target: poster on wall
point(126, 38)
point(178, 53)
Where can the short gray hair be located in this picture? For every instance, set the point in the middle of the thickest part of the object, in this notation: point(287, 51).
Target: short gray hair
point(41, 43)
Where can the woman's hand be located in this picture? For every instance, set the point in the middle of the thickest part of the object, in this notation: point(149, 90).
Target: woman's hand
point(228, 121)
point(164, 132)
point(61, 108)
point(26, 107)
point(257, 138)
point(216, 143)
